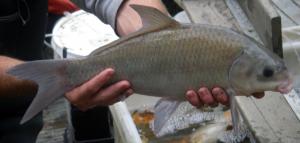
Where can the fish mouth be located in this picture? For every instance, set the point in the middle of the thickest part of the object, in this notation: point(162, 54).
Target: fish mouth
point(285, 87)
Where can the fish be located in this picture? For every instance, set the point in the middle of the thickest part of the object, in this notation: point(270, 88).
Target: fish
point(165, 59)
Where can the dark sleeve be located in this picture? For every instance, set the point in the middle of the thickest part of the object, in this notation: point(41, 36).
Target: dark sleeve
point(106, 10)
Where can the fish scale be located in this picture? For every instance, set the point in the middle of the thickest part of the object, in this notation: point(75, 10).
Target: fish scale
point(167, 62)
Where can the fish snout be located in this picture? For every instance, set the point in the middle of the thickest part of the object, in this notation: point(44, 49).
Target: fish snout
point(285, 86)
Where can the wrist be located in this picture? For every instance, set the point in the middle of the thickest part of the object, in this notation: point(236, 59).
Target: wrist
point(9, 85)
point(7, 63)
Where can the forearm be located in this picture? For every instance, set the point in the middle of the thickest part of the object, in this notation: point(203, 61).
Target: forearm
point(106, 10)
point(128, 21)
point(118, 13)
point(10, 86)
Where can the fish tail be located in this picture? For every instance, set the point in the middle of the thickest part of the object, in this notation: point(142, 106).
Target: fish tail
point(50, 75)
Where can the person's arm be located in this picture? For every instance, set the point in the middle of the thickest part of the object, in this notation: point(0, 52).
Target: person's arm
point(117, 13)
point(128, 20)
point(9, 85)
point(106, 10)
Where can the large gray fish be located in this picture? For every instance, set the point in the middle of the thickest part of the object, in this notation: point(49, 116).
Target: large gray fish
point(165, 59)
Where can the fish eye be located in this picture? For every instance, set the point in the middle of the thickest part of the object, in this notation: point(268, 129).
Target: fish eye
point(268, 72)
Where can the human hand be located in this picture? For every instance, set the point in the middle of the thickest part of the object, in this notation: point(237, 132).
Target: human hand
point(92, 93)
point(211, 98)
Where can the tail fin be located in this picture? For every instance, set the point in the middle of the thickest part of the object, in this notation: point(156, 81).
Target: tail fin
point(50, 76)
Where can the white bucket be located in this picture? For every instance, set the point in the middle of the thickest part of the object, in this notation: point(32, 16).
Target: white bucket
point(78, 34)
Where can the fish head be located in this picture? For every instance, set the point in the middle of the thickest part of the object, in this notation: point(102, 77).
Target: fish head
point(257, 69)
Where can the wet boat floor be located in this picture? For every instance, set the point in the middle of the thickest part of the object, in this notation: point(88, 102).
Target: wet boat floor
point(55, 123)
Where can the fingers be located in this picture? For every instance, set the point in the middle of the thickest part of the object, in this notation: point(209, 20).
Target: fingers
point(193, 98)
point(87, 89)
point(113, 93)
point(91, 93)
point(204, 97)
point(212, 98)
point(95, 83)
point(220, 95)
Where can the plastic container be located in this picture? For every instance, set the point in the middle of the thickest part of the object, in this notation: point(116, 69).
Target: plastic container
point(80, 33)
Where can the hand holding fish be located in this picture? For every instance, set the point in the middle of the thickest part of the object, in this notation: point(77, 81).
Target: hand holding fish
point(212, 98)
point(92, 93)
point(204, 97)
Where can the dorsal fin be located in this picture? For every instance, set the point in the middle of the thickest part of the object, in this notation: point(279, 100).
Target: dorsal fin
point(152, 19)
